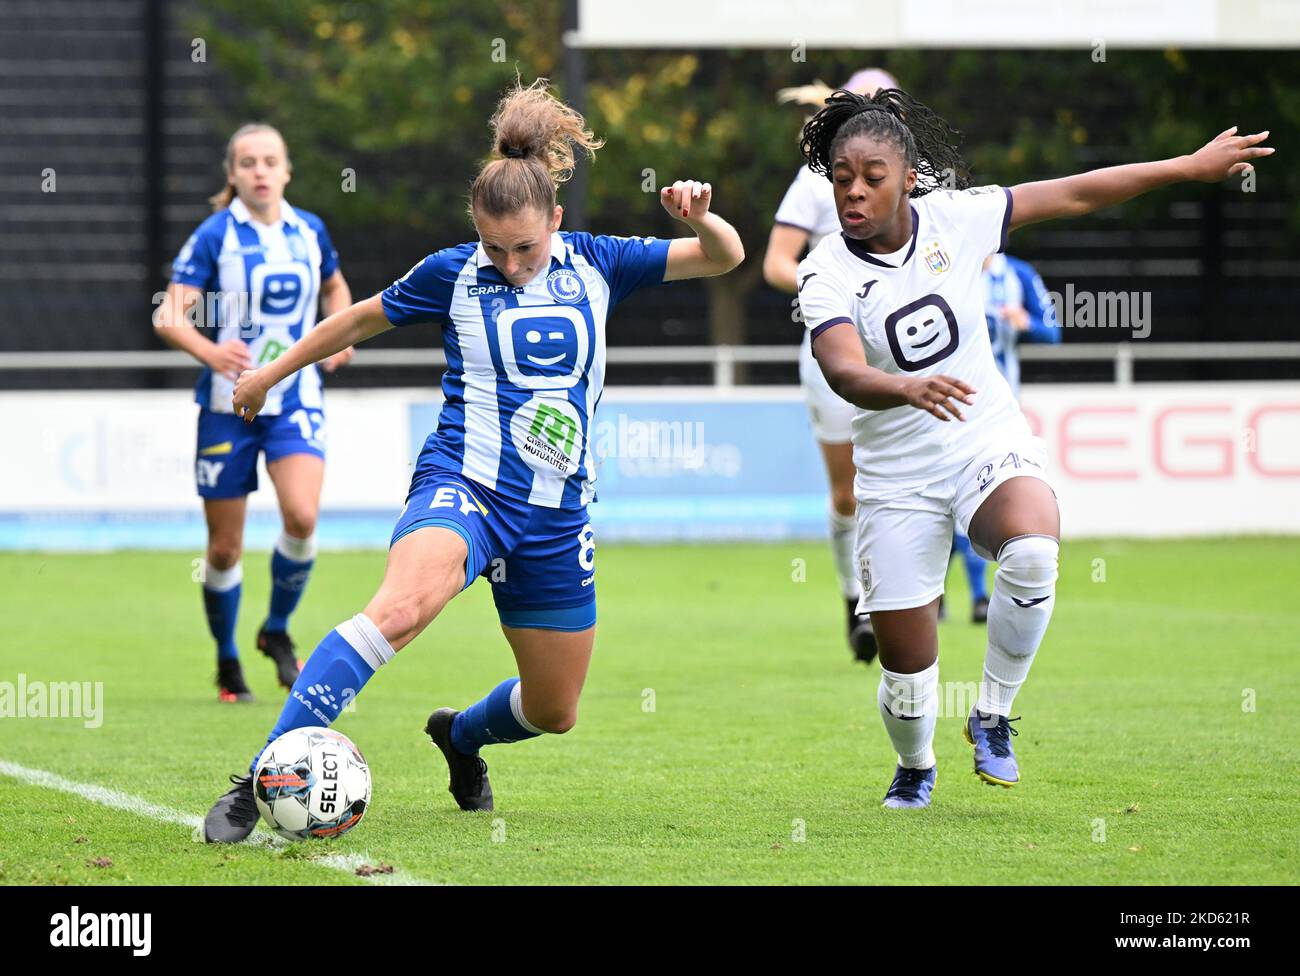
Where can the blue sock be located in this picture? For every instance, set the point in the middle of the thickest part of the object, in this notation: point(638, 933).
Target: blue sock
point(974, 567)
point(497, 718)
point(221, 589)
point(332, 677)
point(291, 563)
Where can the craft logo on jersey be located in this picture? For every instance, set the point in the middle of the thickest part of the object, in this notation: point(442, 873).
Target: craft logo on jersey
point(566, 286)
point(547, 433)
point(934, 256)
point(297, 246)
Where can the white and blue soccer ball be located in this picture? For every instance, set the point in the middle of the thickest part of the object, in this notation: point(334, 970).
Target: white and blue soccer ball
point(312, 782)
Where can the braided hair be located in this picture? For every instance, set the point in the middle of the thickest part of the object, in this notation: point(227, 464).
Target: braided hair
point(928, 143)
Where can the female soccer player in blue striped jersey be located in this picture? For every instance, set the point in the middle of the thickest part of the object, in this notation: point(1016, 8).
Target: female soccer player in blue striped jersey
point(895, 308)
point(501, 487)
point(260, 266)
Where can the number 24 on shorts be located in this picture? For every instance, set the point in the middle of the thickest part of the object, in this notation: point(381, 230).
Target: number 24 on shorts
point(985, 475)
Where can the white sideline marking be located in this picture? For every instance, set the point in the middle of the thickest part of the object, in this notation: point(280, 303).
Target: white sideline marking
point(143, 808)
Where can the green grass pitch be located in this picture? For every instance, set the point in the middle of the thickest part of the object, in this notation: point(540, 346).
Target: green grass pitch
point(724, 736)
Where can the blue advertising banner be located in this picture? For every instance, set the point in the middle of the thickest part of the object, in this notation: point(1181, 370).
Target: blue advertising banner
point(706, 469)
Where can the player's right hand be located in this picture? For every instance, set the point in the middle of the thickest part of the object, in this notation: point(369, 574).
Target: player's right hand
point(934, 395)
point(230, 358)
point(250, 395)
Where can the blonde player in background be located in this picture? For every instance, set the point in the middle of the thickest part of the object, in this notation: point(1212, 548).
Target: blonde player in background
point(267, 264)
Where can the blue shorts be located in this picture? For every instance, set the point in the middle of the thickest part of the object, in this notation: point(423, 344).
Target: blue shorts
point(541, 562)
point(226, 461)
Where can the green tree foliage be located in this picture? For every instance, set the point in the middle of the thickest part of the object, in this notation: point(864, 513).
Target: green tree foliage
point(400, 92)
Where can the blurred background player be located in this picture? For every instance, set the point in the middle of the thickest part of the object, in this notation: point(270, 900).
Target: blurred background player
point(885, 303)
point(1017, 309)
point(805, 216)
point(501, 487)
point(255, 270)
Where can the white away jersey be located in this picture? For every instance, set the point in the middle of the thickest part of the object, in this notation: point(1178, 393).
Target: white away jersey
point(262, 282)
point(809, 204)
point(525, 364)
point(919, 312)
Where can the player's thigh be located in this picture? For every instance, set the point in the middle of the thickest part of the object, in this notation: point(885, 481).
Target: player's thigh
point(448, 532)
point(298, 479)
point(1007, 494)
point(903, 543)
point(838, 458)
point(425, 569)
point(552, 669)
point(295, 459)
point(225, 462)
point(545, 595)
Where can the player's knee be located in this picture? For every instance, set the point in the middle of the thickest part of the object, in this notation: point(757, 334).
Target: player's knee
point(300, 522)
point(1029, 562)
point(555, 720)
point(400, 619)
point(223, 554)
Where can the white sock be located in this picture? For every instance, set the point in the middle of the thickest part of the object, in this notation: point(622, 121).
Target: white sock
point(844, 530)
point(220, 580)
point(299, 550)
point(1024, 592)
point(909, 705)
point(371, 645)
point(517, 709)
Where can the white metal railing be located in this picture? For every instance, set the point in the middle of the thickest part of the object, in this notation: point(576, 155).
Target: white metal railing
point(723, 359)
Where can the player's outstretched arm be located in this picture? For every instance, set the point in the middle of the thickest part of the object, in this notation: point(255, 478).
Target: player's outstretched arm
point(354, 324)
point(1071, 196)
point(839, 354)
point(335, 296)
point(715, 249)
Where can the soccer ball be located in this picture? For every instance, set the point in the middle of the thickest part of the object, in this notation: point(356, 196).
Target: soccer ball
point(312, 782)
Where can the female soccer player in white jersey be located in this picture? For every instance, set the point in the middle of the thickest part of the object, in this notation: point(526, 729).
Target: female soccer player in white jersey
point(501, 487)
point(805, 216)
point(258, 265)
point(895, 310)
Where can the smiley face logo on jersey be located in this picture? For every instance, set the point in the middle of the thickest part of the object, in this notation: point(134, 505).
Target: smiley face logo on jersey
point(543, 347)
point(922, 333)
point(279, 292)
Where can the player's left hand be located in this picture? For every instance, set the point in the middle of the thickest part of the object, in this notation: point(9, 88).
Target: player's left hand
point(687, 199)
point(1227, 155)
point(249, 396)
point(341, 358)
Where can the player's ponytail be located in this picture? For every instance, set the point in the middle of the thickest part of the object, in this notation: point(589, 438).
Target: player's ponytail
point(223, 197)
point(533, 140)
point(928, 143)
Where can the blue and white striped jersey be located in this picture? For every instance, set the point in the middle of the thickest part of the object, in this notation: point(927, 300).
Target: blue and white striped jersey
point(1011, 281)
point(262, 282)
point(525, 364)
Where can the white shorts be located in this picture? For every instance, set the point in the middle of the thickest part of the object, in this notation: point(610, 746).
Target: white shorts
point(905, 538)
point(832, 417)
